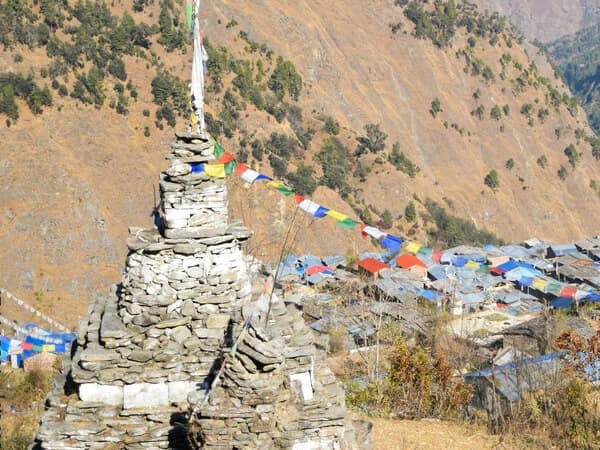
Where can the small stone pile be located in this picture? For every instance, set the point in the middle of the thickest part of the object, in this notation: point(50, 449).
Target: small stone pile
point(181, 356)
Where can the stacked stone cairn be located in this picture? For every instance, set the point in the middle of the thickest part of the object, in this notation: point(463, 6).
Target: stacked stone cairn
point(182, 355)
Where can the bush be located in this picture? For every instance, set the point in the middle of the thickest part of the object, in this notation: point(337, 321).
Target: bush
point(410, 212)
point(373, 141)
point(331, 126)
point(436, 107)
point(496, 113)
point(285, 79)
point(302, 181)
point(542, 161)
point(335, 162)
point(418, 385)
point(401, 162)
point(572, 155)
point(509, 164)
point(562, 173)
point(492, 180)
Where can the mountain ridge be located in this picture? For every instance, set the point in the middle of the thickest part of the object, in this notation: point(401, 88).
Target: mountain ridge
point(354, 69)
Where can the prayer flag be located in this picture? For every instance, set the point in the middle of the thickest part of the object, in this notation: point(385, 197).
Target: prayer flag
point(539, 284)
point(299, 198)
point(348, 223)
point(197, 167)
point(250, 176)
point(375, 233)
point(321, 212)
point(413, 247)
point(240, 168)
point(392, 243)
point(309, 206)
point(336, 215)
point(230, 167)
point(225, 158)
point(215, 170)
point(218, 150)
point(472, 265)
point(285, 190)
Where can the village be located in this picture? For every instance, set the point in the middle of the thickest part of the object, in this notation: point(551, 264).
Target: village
point(500, 300)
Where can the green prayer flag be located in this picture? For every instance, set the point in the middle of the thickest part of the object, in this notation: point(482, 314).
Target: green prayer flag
point(285, 190)
point(218, 150)
point(425, 251)
point(230, 167)
point(554, 288)
point(189, 14)
point(347, 223)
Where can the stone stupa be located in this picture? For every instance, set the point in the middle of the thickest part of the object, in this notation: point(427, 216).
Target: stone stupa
point(182, 355)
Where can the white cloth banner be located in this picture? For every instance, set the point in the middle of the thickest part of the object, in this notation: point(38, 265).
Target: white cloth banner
point(309, 206)
point(250, 176)
point(373, 232)
point(200, 57)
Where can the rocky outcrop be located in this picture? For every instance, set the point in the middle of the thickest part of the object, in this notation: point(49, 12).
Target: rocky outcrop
point(182, 355)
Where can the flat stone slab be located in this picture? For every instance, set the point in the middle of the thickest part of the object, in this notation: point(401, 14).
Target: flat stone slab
point(101, 393)
point(145, 395)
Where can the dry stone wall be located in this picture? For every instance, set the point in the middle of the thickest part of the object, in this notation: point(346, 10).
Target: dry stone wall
point(182, 355)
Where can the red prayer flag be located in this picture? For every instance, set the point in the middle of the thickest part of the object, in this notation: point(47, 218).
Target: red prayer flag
point(240, 168)
point(225, 158)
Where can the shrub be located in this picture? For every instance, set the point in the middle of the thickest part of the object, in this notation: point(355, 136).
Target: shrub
point(496, 113)
point(509, 164)
point(335, 162)
point(436, 107)
point(492, 180)
point(285, 79)
point(562, 173)
point(331, 126)
point(542, 161)
point(401, 162)
point(373, 141)
point(410, 212)
point(572, 155)
point(418, 385)
point(303, 180)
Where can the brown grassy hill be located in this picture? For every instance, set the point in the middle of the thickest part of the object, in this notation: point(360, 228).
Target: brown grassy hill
point(547, 20)
point(74, 177)
point(360, 72)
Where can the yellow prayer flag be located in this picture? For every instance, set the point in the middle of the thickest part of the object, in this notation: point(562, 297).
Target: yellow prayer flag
point(274, 184)
point(215, 170)
point(472, 265)
point(539, 284)
point(413, 247)
point(48, 348)
point(336, 215)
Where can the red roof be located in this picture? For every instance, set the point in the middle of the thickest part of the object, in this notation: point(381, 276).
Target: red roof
point(372, 265)
point(407, 261)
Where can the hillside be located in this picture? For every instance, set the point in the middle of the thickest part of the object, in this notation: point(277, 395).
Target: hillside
point(78, 173)
point(578, 58)
point(547, 20)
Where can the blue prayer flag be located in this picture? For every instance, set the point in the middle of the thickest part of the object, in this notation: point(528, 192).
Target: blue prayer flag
point(321, 212)
point(392, 243)
point(197, 167)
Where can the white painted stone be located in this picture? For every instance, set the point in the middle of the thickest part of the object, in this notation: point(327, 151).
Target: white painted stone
point(179, 390)
point(317, 444)
point(101, 393)
point(303, 378)
point(145, 395)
